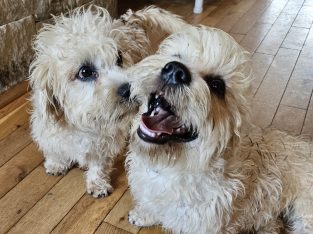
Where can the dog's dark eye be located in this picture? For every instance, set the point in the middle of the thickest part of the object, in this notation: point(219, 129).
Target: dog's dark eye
point(87, 73)
point(216, 85)
point(119, 61)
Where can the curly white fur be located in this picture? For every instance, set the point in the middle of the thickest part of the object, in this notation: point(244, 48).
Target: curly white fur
point(86, 122)
point(224, 181)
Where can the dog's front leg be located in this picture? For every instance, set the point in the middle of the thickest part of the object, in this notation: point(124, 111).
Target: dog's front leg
point(141, 217)
point(98, 178)
point(56, 165)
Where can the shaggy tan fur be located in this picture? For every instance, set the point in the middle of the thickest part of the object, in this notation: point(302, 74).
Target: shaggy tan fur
point(222, 181)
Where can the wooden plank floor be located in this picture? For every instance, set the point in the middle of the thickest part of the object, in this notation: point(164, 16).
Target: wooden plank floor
point(278, 33)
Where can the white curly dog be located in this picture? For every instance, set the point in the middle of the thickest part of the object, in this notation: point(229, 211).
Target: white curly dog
point(81, 112)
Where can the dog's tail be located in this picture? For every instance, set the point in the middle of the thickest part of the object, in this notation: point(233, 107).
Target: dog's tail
point(152, 18)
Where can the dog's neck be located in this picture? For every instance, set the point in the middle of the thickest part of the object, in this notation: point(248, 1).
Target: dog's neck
point(187, 157)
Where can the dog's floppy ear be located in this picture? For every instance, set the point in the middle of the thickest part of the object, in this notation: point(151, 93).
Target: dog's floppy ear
point(41, 80)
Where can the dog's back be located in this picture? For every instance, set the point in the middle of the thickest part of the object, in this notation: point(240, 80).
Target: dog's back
point(278, 171)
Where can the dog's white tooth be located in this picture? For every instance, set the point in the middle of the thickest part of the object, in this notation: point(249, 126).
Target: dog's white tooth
point(152, 113)
point(147, 131)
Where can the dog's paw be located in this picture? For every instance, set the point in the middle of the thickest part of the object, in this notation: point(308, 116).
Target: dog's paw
point(55, 169)
point(99, 189)
point(140, 219)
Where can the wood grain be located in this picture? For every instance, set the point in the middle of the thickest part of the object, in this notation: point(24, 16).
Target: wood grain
point(24, 196)
point(236, 12)
point(50, 210)
point(153, 230)
point(307, 129)
point(14, 143)
point(295, 38)
point(277, 34)
point(300, 85)
point(270, 15)
point(262, 114)
point(247, 21)
point(106, 228)
point(13, 93)
point(293, 6)
point(13, 105)
point(304, 18)
point(237, 37)
point(260, 64)
point(89, 212)
point(119, 215)
point(289, 119)
point(218, 14)
point(255, 36)
point(14, 120)
point(272, 88)
point(19, 167)
point(309, 39)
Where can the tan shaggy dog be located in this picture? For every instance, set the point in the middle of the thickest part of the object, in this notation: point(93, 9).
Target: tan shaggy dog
point(80, 95)
point(190, 167)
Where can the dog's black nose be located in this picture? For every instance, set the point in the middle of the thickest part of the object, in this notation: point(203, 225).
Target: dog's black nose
point(175, 73)
point(124, 91)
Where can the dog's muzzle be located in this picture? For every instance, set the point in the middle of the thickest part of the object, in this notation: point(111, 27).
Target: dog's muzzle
point(160, 125)
point(175, 73)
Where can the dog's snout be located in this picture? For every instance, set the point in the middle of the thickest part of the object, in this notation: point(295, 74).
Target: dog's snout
point(175, 73)
point(124, 91)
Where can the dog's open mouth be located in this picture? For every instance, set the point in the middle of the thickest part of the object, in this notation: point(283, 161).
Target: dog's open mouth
point(160, 125)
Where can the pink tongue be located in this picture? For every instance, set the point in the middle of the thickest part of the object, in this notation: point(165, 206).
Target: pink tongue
point(163, 122)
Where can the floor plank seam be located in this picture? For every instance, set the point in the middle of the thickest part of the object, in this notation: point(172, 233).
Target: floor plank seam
point(41, 163)
point(110, 212)
point(284, 47)
point(282, 11)
point(268, 68)
point(307, 110)
point(39, 201)
point(13, 225)
point(68, 210)
point(16, 153)
point(281, 98)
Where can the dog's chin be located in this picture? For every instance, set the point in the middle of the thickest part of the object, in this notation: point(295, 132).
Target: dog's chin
point(160, 125)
